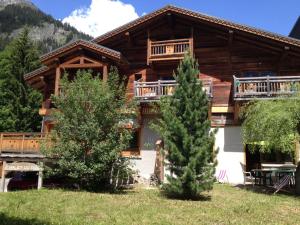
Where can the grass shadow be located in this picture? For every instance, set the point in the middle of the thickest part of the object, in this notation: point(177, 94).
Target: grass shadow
point(10, 220)
point(202, 197)
point(266, 190)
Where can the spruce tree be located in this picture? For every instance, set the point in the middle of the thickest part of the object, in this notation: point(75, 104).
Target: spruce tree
point(19, 103)
point(187, 135)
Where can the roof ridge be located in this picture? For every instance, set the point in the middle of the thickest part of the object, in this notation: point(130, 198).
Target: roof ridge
point(206, 17)
point(78, 42)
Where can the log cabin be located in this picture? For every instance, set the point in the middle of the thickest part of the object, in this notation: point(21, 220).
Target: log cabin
point(237, 63)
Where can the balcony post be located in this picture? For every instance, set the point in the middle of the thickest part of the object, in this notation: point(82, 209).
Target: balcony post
point(22, 144)
point(135, 89)
point(159, 89)
point(268, 85)
point(234, 86)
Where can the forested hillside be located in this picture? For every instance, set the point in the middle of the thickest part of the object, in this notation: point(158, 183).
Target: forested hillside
point(47, 32)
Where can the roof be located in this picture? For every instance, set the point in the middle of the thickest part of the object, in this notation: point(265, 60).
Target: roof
point(295, 32)
point(90, 45)
point(200, 17)
point(40, 70)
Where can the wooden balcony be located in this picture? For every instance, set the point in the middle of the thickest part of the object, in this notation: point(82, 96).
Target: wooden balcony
point(267, 87)
point(153, 91)
point(21, 143)
point(169, 49)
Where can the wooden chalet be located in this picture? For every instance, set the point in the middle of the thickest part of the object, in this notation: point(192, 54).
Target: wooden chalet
point(237, 63)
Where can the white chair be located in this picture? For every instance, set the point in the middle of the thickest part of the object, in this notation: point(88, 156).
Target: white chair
point(247, 175)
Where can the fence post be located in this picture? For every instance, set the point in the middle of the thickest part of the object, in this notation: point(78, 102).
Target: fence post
point(135, 89)
point(234, 86)
point(22, 145)
point(159, 91)
point(268, 85)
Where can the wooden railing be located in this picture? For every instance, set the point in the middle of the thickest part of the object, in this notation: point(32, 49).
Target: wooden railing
point(21, 143)
point(151, 91)
point(247, 88)
point(169, 49)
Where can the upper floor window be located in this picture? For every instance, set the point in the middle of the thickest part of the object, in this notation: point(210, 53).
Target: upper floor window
point(258, 73)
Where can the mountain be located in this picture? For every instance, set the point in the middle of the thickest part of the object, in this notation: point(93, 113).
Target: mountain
point(4, 3)
point(47, 32)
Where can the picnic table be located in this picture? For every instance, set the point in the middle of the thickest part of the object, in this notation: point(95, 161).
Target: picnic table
point(268, 174)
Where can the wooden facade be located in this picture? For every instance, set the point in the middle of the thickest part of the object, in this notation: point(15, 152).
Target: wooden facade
point(237, 63)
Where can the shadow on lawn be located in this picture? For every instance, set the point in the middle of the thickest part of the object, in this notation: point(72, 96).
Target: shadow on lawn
point(7, 220)
point(204, 198)
point(266, 190)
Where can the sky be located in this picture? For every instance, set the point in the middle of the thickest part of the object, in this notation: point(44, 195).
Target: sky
point(96, 17)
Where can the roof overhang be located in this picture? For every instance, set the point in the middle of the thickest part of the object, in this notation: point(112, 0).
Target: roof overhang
point(82, 44)
point(199, 17)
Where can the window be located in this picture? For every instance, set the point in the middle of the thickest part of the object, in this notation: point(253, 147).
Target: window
point(258, 73)
point(134, 142)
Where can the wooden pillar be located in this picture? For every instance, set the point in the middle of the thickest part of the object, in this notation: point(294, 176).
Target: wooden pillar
point(2, 185)
point(209, 109)
point(192, 41)
point(148, 47)
point(57, 81)
point(40, 178)
point(236, 112)
point(105, 73)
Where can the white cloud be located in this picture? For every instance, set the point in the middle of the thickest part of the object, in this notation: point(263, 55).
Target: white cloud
point(101, 16)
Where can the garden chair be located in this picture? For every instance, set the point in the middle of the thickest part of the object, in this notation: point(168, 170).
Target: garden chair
point(281, 183)
point(222, 177)
point(247, 175)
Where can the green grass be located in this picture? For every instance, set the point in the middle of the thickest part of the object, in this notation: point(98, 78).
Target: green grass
point(228, 205)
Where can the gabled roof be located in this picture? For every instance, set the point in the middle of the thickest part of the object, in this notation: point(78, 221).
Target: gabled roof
point(110, 53)
point(38, 71)
point(295, 32)
point(200, 17)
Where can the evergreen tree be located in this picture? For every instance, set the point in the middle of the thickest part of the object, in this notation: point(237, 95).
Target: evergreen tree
point(186, 132)
point(19, 103)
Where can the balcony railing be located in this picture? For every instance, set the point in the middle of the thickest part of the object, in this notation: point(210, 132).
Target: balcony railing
point(247, 88)
point(21, 143)
point(169, 49)
point(152, 91)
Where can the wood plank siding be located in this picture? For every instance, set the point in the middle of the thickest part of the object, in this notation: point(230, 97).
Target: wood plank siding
point(236, 62)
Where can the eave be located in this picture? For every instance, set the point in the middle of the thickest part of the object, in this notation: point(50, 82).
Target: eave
point(199, 17)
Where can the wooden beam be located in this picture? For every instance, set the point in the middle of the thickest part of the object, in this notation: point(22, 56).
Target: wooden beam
point(105, 73)
point(57, 80)
point(81, 66)
point(230, 40)
point(148, 47)
point(2, 188)
point(236, 112)
point(284, 54)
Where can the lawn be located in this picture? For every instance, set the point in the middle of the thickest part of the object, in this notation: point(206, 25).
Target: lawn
point(228, 205)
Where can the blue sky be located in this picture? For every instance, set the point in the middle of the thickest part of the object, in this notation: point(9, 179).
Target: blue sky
point(277, 16)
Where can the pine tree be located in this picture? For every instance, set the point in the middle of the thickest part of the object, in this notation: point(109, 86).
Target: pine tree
point(19, 103)
point(186, 132)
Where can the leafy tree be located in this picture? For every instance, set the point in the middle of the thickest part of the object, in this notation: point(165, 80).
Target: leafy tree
point(276, 123)
point(89, 134)
point(186, 132)
point(19, 103)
